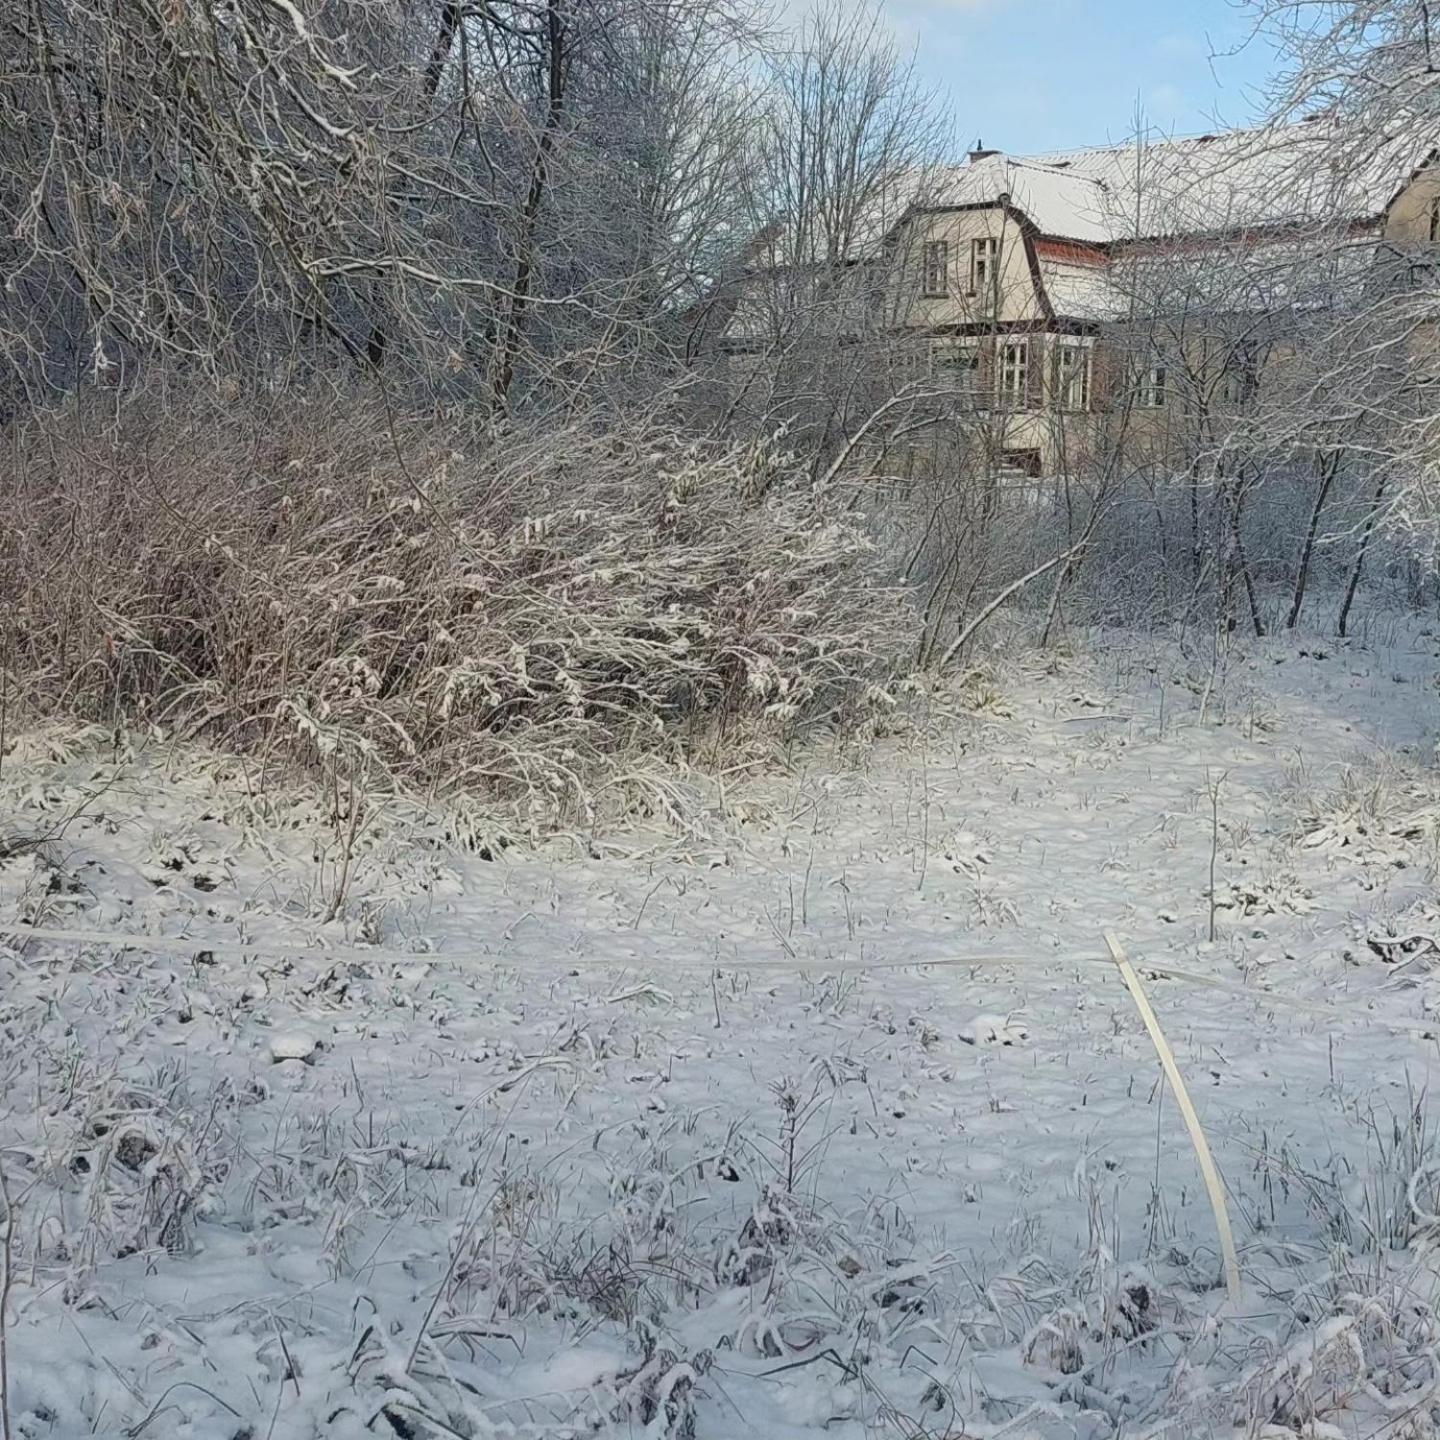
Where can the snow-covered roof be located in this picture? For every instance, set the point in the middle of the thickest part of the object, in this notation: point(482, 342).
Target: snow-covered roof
point(1082, 292)
point(1294, 270)
point(1060, 203)
point(1194, 185)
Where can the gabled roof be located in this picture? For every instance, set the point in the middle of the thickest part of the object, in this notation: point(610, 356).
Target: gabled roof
point(1073, 206)
point(1275, 188)
point(1194, 185)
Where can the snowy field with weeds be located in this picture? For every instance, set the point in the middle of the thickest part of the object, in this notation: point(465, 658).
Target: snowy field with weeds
point(819, 1110)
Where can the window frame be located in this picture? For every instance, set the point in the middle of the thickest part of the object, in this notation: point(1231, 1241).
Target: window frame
point(1240, 379)
point(968, 374)
point(1151, 386)
point(1077, 349)
point(1016, 395)
point(938, 249)
point(984, 263)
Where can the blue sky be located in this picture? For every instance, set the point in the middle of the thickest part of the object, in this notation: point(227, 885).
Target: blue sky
point(1033, 75)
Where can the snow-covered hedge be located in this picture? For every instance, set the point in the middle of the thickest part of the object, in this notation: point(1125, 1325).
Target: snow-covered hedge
point(526, 615)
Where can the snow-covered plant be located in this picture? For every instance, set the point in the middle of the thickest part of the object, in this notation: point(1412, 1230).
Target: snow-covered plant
point(1386, 1202)
point(1379, 816)
point(531, 617)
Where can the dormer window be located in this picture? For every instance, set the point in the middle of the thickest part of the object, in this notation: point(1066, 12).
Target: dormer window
point(935, 266)
point(984, 264)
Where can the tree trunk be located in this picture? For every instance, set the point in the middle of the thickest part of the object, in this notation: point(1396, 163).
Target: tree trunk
point(1236, 501)
point(440, 53)
point(1052, 612)
point(430, 84)
point(1328, 471)
point(1369, 530)
point(1196, 554)
point(529, 216)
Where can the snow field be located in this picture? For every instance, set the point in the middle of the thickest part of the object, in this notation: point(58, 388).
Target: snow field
point(620, 1137)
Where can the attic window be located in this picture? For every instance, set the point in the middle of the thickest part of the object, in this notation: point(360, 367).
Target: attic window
point(936, 266)
point(984, 264)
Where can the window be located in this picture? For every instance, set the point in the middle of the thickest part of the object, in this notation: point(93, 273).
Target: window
point(1023, 464)
point(1073, 363)
point(1014, 372)
point(957, 363)
point(936, 266)
point(1232, 387)
point(1241, 378)
point(984, 264)
point(1150, 390)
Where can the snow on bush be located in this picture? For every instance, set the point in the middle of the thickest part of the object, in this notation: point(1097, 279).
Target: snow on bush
point(527, 616)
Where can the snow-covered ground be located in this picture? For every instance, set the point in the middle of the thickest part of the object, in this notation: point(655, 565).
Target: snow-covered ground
point(647, 1135)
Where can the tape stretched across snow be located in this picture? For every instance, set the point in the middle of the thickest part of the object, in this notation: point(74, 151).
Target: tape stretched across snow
point(913, 960)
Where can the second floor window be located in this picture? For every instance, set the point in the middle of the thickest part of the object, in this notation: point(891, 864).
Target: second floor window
point(984, 264)
point(936, 266)
point(1072, 376)
point(1015, 373)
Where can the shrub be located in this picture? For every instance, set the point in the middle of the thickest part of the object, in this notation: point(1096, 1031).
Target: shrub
point(524, 614)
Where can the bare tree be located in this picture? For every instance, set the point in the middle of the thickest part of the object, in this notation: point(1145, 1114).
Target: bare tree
point(278, 191)
point(844, 142)
point(1257, 329)
point(1364, 72)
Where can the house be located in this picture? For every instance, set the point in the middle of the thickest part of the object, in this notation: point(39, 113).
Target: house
point(1036, 286)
